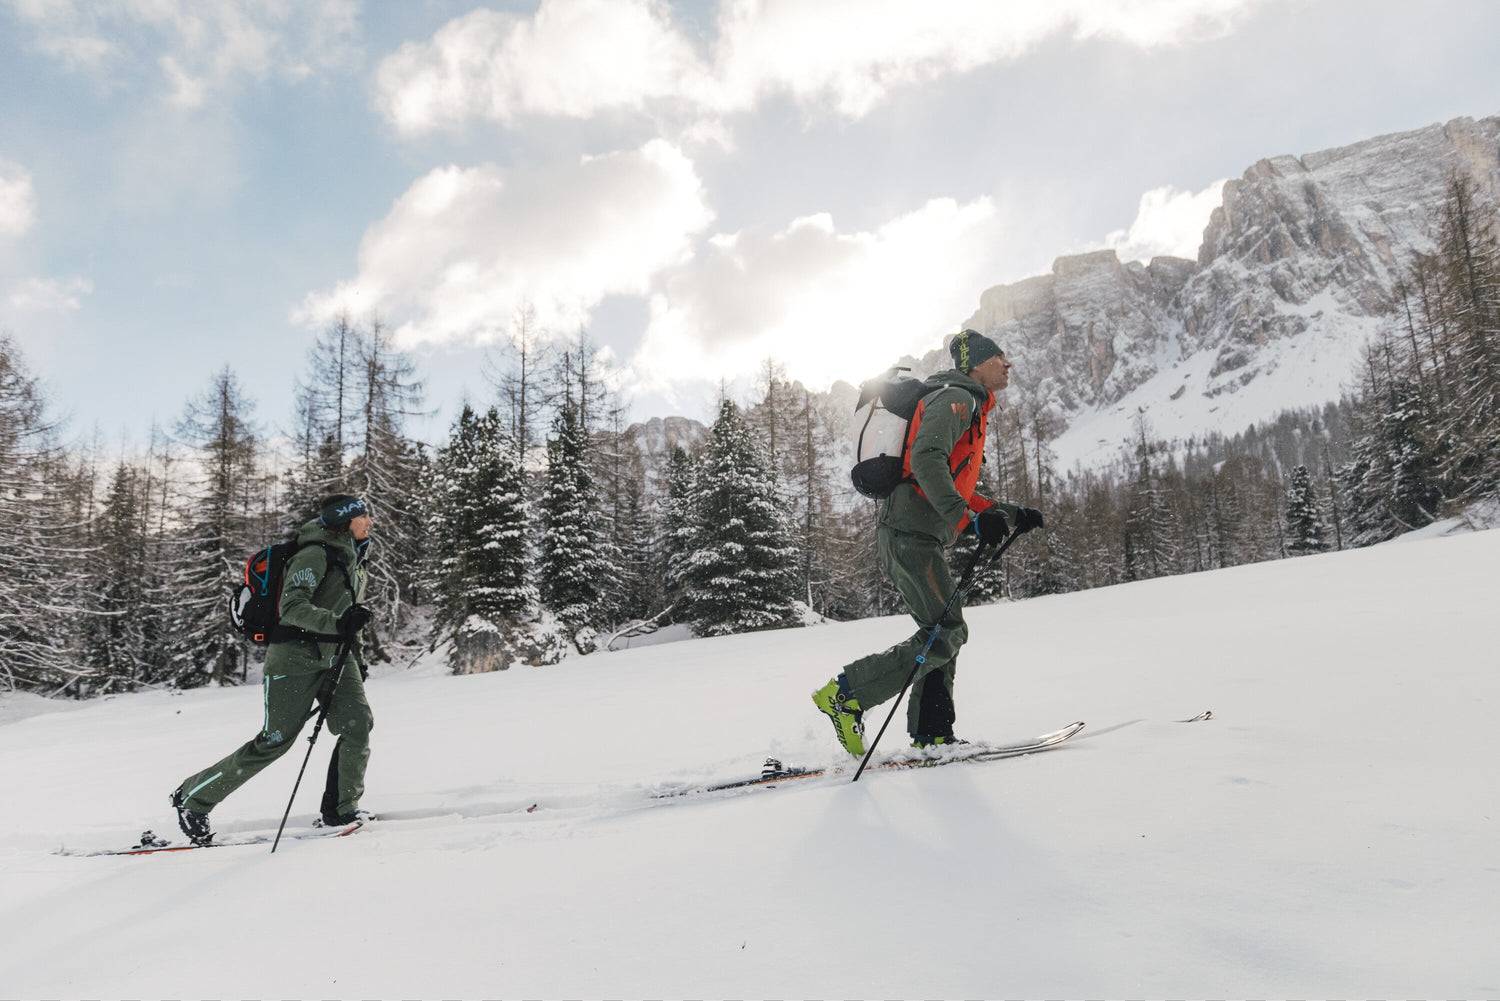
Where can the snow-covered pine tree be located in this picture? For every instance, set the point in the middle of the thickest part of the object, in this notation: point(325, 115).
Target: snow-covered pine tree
point(1150, 550)
point(577, 559)
point(315, 473)
point(321, 432)
point(1306, 530)
point(1100, 534)
point(678, 532)
point(477, 526)
point(1220, 521)
point(743, 576)
point(1391, 483)
point(121, 633)
point(827, 541)
point(385, 471)
point(516, 368)
point(1051, 564)
point(638, 592)
point(1466, 294)
point(207, 554)
point(36, 621)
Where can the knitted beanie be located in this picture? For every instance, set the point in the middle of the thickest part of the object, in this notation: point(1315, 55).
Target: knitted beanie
point(340, 509)
point(971, 349)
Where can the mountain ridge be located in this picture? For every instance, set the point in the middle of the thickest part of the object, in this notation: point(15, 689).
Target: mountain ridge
point(1296, 272)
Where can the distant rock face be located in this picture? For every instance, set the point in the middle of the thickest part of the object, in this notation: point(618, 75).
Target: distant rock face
point(1302, 248)
point(1091, 330)
point(649, 445)
point(657, 437)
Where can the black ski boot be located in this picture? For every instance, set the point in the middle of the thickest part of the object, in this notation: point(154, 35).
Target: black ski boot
point(922, 741)
point(193, 823)
point(344, 819)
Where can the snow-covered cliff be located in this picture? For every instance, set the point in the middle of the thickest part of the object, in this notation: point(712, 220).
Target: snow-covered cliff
point(1296, 271)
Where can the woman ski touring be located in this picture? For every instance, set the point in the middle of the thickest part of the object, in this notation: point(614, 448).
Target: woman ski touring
point(316, 654)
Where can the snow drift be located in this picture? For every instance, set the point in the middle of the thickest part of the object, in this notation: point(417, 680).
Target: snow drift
point(1330, 832)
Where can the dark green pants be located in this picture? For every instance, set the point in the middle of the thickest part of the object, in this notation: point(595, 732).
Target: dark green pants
point(918, 566)
point(289, 700)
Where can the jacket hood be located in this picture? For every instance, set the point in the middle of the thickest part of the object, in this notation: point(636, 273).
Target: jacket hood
point(340, 538)
point(953, 377)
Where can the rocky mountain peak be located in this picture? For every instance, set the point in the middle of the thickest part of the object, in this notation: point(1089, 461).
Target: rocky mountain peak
point(1297, 270)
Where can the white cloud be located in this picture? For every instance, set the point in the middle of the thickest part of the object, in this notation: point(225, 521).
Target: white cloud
point(573, 58)
point(17, 200)
point(1168, 223)
point(832, 304)
point(463, 249)
point(49, 295)
point(853, 53)
point(578, 58)
point(198, 49)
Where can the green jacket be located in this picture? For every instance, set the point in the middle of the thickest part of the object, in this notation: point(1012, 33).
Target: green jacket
point(314, 593)
point(940, 510)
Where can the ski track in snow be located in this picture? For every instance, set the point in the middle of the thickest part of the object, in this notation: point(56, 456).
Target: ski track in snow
point(1296, 843)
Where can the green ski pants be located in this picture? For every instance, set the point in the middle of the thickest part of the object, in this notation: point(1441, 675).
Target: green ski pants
point(289, 700)
point(918, 566)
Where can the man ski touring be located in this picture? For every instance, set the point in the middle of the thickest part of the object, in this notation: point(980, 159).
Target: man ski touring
point(307, 662)
point(935, 502)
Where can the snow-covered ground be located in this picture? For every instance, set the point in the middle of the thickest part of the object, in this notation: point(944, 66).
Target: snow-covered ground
point(1333, 830)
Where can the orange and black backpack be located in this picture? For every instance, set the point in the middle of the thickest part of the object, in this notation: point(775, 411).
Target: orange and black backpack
point(254, 606)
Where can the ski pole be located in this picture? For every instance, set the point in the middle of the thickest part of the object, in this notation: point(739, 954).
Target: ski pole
point(338, 672)
point(961, 588)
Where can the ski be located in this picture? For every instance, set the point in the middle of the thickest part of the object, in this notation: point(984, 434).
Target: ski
point(150, 844)
point(774, 773)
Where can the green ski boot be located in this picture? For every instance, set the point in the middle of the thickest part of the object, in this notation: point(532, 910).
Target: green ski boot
point(833, 700)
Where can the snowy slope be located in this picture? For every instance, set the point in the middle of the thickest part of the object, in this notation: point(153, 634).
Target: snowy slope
point(1332, 831)
point(1186, 398)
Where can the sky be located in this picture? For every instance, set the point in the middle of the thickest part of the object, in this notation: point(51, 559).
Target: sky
point(696, 186)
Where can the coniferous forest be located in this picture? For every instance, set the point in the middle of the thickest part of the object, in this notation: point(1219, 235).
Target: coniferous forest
point(543, 523)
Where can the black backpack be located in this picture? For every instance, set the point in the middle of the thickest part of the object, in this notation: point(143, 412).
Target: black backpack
point(254, 605)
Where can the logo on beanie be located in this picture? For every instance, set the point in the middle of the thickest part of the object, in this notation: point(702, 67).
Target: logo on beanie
point(971, 349)
point(340, 512)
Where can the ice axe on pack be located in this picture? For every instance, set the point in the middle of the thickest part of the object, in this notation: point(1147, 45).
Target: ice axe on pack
point(962, 588)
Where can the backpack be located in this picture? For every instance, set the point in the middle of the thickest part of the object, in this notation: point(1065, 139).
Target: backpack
point(882, 423)
point(882, 418)
point(254, 606)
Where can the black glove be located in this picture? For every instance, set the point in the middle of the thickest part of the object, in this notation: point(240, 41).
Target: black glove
point(364, 673)
point(354, 619)
point(1028, 518)
point(990, 526)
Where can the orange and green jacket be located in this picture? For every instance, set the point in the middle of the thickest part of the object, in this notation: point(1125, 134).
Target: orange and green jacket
point(944, 450)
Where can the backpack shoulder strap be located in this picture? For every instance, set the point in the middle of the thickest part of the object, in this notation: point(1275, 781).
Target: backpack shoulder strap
point(282, 633)
point(337, 559)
